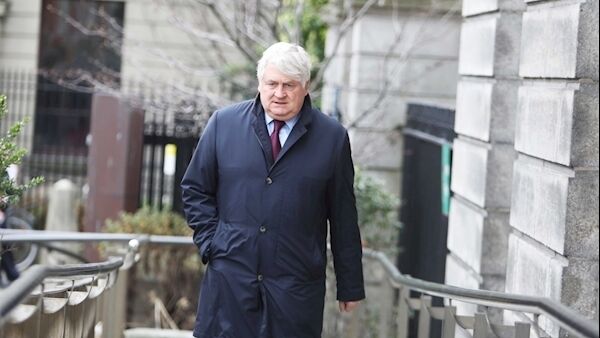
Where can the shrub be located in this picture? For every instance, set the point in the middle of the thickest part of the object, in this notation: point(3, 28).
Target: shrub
point(377, 214)
point(11, 154)
point(150, 221)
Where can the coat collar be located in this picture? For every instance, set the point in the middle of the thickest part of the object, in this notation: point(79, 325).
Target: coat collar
point(305, 111)
point(260, 129)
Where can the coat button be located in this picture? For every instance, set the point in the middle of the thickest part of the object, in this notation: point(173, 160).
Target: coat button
point(260, 277)
point(262, 228)
point(269, 180)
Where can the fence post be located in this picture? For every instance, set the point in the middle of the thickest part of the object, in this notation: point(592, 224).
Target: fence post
point(113, 307)
point(403, 311)
point(481, 326)
point(424, 317)
point(386, 308)
point(449, 326)
point(522, 330)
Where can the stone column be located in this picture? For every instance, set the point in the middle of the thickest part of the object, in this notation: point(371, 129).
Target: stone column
point(553, 246)
point(483, 152)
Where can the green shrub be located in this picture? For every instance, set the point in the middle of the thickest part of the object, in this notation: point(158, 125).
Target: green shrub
point(10, 154)
point(377, 214)
point(147, 220)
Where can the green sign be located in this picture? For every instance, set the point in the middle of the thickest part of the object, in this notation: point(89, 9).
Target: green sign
point(446, 163)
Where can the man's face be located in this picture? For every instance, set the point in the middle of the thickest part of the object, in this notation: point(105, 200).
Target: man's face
point(281, 96)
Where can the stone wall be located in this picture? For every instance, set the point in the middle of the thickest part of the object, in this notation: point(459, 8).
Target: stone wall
point(486, 101)
point(385, 61)
point(554, 208)
point(19, 34)
point(524, 217)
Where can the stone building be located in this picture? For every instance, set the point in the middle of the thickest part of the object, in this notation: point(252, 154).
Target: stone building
point(525, 172)
point(524, 211)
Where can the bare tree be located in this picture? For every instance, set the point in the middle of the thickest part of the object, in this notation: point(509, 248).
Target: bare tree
point(230, 36)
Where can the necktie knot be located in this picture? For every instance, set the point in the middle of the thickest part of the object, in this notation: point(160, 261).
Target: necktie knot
point(275, 144)
point(278, 125)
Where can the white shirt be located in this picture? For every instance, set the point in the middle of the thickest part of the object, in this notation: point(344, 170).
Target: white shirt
point(286, 129)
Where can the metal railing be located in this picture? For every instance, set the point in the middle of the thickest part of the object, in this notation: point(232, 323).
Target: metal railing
point(69, 300)
point(406, 305)
point(478, 323)
point(33, 304)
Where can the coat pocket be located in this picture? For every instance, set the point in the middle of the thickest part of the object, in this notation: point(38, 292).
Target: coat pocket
point(229, 241)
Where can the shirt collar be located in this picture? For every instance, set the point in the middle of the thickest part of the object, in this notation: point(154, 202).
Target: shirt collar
point(290, 123)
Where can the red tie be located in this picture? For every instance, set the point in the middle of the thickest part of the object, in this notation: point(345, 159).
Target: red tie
point(275, 145)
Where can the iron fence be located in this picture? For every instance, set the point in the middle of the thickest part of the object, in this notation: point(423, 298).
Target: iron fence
point(56, 136)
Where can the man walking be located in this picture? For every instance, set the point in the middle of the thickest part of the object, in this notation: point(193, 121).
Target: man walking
point(267, 178)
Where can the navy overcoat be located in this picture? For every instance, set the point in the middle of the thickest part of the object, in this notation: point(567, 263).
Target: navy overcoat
point(261, 225)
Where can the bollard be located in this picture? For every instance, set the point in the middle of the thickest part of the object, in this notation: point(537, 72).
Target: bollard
point(62, 216)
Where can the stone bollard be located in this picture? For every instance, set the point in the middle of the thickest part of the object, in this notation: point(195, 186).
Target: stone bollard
point(62, 216)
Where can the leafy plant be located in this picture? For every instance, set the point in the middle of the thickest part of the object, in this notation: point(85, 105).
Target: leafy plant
point(151, 221)
point(377, 213)
point(11, 153)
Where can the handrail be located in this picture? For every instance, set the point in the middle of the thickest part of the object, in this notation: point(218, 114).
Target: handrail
point(41, 236)
point(12, 296)
point(563, 315)
point(18, 290)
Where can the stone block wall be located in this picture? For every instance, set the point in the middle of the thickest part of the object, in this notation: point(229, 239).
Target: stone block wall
point(525, 167)
point(554, 207)
point(483, 152)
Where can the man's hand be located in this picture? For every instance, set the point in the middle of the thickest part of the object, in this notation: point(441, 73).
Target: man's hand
point(348, 306)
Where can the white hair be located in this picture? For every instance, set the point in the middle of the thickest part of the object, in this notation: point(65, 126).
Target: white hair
point(290, 59)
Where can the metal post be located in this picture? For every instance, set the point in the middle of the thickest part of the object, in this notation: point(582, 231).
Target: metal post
point(114, 306)
point(386, 309)
point(522, 330)
point(402, 318)
point(481, 328)
point(449, 325)
point(424, 317)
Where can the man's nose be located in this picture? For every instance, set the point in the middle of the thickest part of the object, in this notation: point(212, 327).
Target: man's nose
point(279, 91)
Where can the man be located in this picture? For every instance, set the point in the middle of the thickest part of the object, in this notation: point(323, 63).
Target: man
point(264, 180)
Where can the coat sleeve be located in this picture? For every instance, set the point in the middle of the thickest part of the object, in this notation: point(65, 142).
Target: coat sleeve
point(344, 232)
point(199, 190)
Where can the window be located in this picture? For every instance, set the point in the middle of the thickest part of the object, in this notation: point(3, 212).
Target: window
point(80, 47)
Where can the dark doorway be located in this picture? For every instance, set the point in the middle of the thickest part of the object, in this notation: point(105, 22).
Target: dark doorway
point(428, 137)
